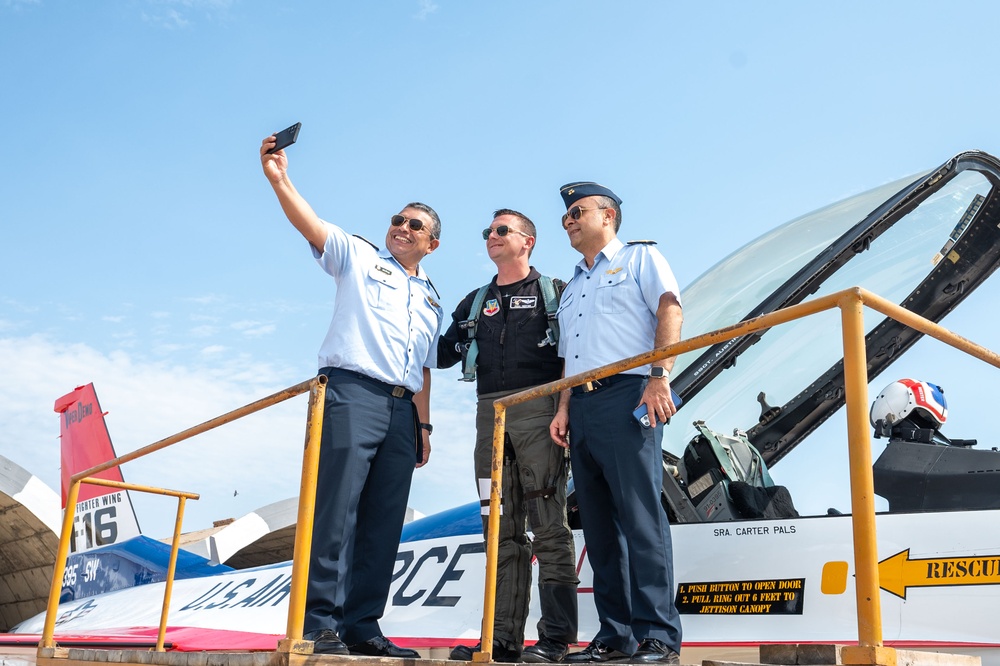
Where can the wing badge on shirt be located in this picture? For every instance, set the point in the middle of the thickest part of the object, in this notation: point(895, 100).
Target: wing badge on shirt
point(492, 307)
point(434, 304)
point(612, 271)
point(523, 302)
point(382, 269)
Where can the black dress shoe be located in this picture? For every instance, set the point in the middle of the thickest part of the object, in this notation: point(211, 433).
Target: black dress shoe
point(380, 646)
point(545, 651)
point(595, 653)
point(653, 651)
point(500, 654)
point(326, 641)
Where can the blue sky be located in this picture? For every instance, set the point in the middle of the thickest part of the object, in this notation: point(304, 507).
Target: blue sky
point(144, 251)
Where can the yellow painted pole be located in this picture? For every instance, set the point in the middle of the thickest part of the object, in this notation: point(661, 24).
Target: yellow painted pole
point(862, 486)
point(307, 507)
point(171, 569)
point(485, 653)
point(228, 417)
point(760, 323)
point(915, 321)
point(67, 534)
point(60, 566)
point(134, 486)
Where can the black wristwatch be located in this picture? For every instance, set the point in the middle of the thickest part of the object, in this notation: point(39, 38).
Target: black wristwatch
point(428, 427)
point(657, 371)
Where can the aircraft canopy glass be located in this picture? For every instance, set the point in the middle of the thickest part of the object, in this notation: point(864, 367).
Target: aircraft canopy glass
point(788, 358)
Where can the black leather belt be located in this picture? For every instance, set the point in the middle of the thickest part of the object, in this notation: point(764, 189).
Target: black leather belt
point(602, 383)
point(394, 391)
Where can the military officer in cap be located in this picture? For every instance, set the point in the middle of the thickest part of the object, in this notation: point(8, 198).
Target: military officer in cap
point(377, 354)
point(622, 300)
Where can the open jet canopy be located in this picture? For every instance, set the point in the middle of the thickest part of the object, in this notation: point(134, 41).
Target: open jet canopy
point(925, 242)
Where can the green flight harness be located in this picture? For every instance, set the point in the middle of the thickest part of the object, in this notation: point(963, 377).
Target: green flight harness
point(471, 348)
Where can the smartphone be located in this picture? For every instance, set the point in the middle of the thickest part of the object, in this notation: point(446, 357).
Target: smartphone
point(641, 413)
point(286, 137)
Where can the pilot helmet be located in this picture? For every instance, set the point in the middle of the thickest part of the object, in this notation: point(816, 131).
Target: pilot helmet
point(921, 402)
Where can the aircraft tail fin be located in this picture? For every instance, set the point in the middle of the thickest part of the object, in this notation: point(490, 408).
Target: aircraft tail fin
point(103, 515)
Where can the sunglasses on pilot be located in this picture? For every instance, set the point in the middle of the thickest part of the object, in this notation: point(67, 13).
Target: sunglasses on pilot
point(576, 212)
point(414, 223)
point(502, 231)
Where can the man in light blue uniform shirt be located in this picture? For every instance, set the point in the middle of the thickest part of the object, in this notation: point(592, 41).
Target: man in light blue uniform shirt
point(377, 355)
point(623, 300)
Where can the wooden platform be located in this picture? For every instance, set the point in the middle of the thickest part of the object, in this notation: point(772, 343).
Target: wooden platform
point(772, 655)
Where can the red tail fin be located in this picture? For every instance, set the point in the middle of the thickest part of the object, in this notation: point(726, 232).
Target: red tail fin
point(103, 515)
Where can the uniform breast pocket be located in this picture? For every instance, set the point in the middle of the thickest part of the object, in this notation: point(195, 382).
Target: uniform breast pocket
point(612, 293)
point(379, 288)
point(565, 305)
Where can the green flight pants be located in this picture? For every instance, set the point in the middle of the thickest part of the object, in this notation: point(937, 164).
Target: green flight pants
point(533, 496)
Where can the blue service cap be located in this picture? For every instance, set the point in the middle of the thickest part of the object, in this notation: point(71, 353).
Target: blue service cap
point(576, 191)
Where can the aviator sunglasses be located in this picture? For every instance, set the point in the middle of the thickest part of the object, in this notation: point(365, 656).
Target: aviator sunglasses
point(414, 223)
point(502, 231)
point(576, 212)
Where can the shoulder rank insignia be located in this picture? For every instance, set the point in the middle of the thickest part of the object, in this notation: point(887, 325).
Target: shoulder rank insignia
point(642, 242)
point(382, 269)
point(377, 248)
point(612, 271)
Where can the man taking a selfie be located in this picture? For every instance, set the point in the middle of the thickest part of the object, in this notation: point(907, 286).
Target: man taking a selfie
point(377, 353)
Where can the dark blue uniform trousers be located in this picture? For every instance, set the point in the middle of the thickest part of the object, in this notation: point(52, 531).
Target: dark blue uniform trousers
point(367, 458)
point(618, 474)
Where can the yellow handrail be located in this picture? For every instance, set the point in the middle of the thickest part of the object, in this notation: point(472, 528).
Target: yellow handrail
point(860, 469)
point(307, 505)
point(307, 497)
point(851, 302)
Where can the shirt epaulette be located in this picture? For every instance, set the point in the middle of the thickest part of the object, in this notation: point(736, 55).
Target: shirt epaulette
point(377, 248)
point(433, 287)
point(641, 242)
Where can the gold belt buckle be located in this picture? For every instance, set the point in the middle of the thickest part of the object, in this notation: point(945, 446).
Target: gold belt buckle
point(588, 387)
point(398, 391)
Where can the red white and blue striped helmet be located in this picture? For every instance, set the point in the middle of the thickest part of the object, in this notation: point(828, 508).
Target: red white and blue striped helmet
point(910, 399)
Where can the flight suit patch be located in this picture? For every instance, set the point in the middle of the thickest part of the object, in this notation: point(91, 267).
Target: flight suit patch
point(523, 302)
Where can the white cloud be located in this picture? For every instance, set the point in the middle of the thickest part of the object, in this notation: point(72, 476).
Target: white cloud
point(147, 402)
point(127, 339)
point(259, 455)
point(253, 329)
point(167, 349)
point(169, 18)
point(18, 4)
point(426, 8)
point(207, 299)
point(204, 331)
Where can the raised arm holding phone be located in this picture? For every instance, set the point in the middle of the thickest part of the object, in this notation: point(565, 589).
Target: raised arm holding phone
point(377, 353)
